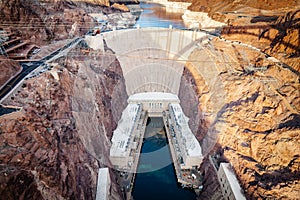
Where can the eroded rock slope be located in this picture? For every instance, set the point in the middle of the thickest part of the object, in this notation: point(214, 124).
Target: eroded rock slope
point(255, 125)
point(54, 146)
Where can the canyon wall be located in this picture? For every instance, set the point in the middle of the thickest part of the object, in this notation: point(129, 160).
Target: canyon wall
point(276, 35)
point(192, 89)
point(45, 21)
point(272, 26)
point(99, 97)
point(9, 69)
point(54, 146)
point(256, 125)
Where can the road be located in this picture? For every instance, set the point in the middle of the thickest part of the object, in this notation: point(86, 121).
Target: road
point(28, 67)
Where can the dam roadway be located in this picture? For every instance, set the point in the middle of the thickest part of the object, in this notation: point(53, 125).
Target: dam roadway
point(31, 66)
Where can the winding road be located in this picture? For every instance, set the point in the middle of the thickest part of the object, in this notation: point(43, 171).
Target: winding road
point(30, 66)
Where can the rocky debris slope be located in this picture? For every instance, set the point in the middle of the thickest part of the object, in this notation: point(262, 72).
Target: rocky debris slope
point(257, 121)
point(54, 146)
point(9, 68)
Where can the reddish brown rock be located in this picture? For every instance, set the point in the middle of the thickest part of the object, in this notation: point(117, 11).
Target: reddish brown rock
point(55, 148)
point(122, 7)
point(9, 69)
point(254, 126)
point(49, 20)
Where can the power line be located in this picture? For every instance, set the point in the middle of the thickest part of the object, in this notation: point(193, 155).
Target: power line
point(75, 54)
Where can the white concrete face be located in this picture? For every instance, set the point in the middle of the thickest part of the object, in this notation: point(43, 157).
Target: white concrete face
point(95, 42)
point(230, 186)
point(148, 76)
point(154, 102)
point(152, 59)
point(103, 184)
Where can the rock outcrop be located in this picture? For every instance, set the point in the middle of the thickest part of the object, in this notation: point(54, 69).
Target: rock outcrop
point(54, 147)
point(9, 68)
point(121, 7)
point(254, 23)
point(217, 5)
point(276, 35)
point(255, 126)
point(42, 22)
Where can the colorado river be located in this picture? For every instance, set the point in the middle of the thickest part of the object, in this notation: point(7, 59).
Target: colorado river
point(155, 15)
point(156, 177)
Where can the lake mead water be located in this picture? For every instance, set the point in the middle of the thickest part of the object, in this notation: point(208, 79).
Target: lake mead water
point(155, 15)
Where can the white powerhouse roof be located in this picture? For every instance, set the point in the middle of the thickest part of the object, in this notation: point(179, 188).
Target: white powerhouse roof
point(189, 140)
point(103, 182)
point(153, 96)
point(121, 137)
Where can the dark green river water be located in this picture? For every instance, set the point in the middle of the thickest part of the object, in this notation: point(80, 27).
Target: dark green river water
point(156, 177)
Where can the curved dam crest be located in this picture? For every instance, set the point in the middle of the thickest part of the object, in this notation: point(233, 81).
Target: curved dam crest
point(152, 59)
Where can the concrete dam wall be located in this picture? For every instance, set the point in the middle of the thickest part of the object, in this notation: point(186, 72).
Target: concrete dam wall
point(152, 60)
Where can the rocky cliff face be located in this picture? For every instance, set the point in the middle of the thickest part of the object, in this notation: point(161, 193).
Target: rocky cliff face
point(99, 97)
point(261, 133)
point(217, 5)
point(9, 69)
point(277, 35)
point(257, 122)
point(272, 26)
point(53, 148)
point(42, 22)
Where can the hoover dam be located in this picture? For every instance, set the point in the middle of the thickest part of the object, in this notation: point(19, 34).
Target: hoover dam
point(152, 62)
point(103, 108)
